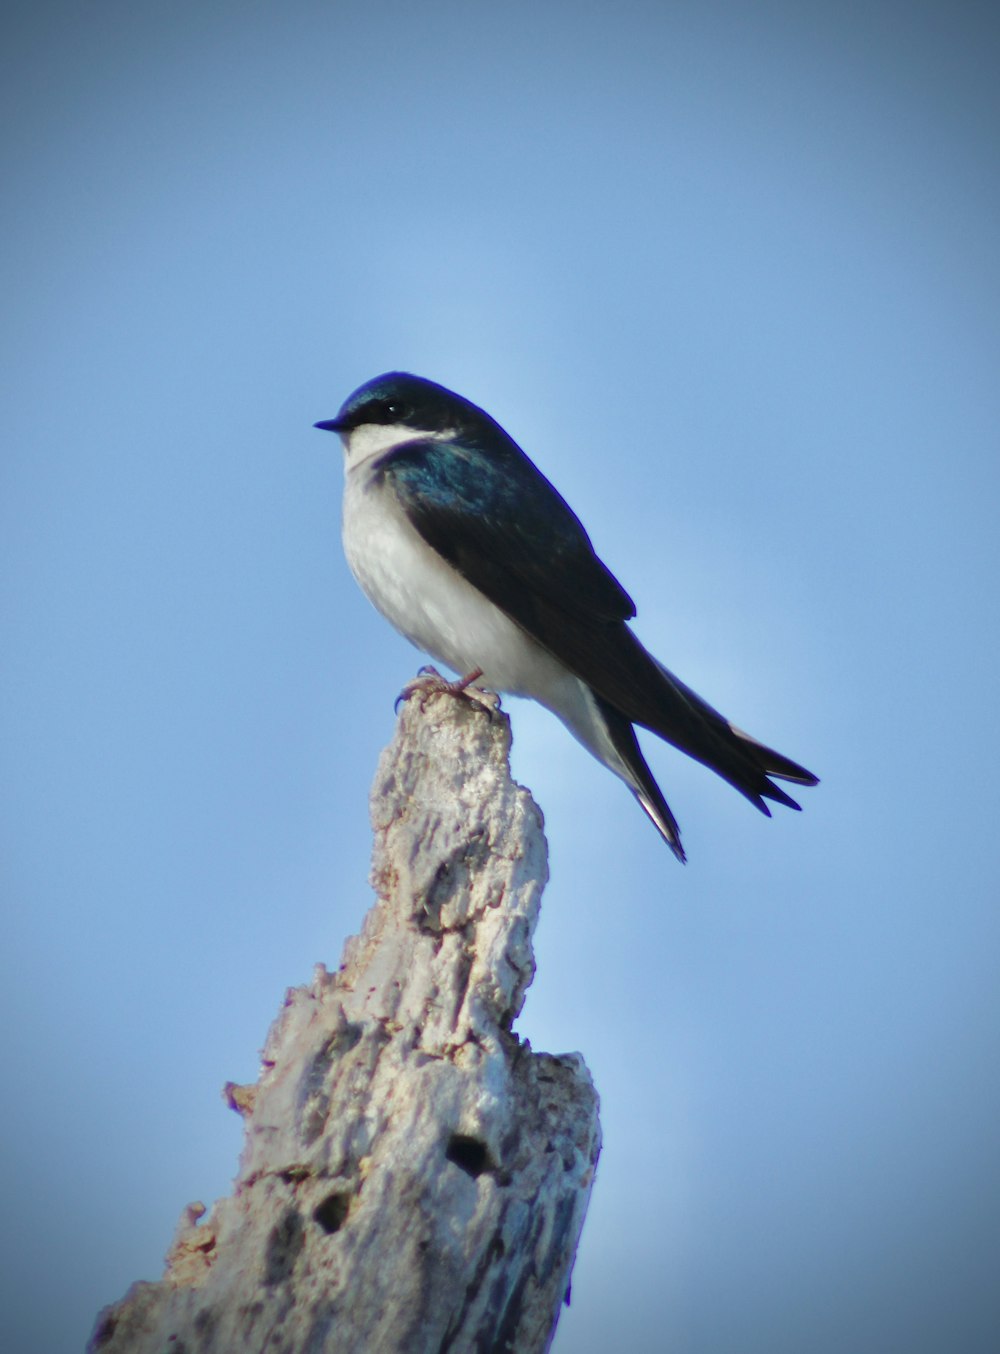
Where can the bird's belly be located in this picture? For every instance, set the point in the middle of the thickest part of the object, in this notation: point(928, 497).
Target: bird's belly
point(432, 605)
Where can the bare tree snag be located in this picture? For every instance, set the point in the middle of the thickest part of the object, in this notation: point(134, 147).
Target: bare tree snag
point(414, 1178)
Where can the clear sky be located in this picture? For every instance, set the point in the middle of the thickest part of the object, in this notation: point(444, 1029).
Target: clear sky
point(729, 273)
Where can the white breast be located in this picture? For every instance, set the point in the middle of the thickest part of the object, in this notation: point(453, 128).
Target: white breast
point(446, 617)
point(430, 603)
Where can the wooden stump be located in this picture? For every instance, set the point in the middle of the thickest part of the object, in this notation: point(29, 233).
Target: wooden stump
point(414, 1177)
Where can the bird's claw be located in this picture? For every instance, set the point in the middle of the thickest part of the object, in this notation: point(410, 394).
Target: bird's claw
point(428, 679)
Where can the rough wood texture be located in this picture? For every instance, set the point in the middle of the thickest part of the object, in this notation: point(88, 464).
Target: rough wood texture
point(414, 1178)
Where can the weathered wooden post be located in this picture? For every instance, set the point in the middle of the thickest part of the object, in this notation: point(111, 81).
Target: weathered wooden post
point(414, 1177)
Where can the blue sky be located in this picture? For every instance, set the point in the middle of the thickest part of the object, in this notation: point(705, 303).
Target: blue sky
point(729, 274)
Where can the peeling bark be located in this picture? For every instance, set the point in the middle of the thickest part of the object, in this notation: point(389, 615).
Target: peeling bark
point(414, 1177)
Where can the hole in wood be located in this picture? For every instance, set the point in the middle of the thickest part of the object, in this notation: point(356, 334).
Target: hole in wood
point(468, 1154)
point(331, 1214)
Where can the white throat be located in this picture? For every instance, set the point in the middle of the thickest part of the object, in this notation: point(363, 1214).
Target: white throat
point(373, 439)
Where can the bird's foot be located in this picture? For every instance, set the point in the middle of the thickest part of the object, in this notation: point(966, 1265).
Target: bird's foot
point(428, 679)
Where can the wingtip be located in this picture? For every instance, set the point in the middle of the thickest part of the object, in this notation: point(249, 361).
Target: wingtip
point(664, 822)
point(801, 777)
point(673, 842)
point(775, 764)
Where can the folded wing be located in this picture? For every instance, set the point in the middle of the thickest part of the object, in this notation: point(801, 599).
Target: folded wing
point(503, 527)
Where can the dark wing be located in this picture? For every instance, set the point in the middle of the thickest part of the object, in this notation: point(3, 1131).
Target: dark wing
point(496, 519)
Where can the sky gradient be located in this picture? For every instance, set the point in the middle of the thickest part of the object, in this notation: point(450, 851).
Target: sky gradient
point(729, 274)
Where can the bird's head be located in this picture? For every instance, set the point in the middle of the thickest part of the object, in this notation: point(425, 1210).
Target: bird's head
point(396, 408)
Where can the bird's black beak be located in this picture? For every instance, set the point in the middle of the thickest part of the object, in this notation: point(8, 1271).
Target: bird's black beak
point(332, 425)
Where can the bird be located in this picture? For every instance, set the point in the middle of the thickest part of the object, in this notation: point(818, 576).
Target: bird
point(464, 546)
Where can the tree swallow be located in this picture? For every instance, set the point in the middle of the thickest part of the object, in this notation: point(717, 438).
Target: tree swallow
point(469, 551)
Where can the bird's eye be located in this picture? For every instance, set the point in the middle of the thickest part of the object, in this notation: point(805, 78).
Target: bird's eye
point(397, 411)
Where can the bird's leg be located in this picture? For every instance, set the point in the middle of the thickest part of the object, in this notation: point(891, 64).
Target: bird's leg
point(465, 682)
point(429, 679)
point(466, 686)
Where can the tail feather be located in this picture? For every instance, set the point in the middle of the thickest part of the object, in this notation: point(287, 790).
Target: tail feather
point(623, 686)
point(693, 726)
